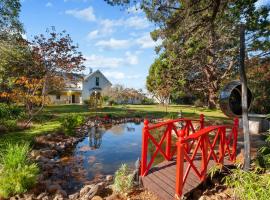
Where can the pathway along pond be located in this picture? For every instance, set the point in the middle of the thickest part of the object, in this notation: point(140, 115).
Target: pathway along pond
point(102, 152)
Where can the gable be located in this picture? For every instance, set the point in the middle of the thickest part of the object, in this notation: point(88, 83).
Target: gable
point(97, 74)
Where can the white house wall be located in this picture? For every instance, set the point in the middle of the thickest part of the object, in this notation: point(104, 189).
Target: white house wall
point(90, 83)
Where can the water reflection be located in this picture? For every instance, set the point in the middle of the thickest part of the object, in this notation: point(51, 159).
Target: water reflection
point(95, 137)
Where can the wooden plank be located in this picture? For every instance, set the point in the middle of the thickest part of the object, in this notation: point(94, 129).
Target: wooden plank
point(153, 187)
point(161, 178)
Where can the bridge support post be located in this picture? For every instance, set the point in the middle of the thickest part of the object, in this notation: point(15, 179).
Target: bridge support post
point(204, 148)
point(201, 121)
point(235, 135)
point(179, 169)
point(144, 147)
point(222, 145)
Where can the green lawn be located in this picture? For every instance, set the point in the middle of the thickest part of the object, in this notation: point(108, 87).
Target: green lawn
point(49, 120)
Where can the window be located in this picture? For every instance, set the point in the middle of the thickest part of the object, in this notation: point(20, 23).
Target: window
point(58, 97)
point(97, 81)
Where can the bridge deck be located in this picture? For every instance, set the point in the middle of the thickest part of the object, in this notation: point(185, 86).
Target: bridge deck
point(161, 179)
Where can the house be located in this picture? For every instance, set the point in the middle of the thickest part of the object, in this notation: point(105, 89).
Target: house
point(79, 88)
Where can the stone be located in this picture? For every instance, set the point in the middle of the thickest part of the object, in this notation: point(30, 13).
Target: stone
point(42, 195)
point(112, 197)
point(85, 190)
point(58, 197)
point(97, 198)
point(53, 188)
point(48, 153)
point(93, 191)
point(35, 153)
point(62, 192)
point(74, 196)
point(109, 178)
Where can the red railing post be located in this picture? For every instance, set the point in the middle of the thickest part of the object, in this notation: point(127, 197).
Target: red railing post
point(204, 148)
point(179, 168)
point(201, 121)
point(221, 145)
point(235, 137)
point(169, 141)
point(144, 147)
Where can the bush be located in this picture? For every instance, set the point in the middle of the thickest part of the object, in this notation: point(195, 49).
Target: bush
point(263, 157)
point(123, 182)
point(148, 101)
point(198, 103)
point(4, 111)
point(70, 122)
point(10, 112)
point(248, 185)
point(9, 125)
point(86, 102)
point(172, 116)
point(17, 173)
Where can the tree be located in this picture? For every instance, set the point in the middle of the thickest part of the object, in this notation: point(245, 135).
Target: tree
point(202, 40)
point(53, 55)
point(258, 73)
point(43, 61)
point(156, 81)
point(9, 16)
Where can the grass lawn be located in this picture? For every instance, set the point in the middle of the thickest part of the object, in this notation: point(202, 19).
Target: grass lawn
point(50, 119)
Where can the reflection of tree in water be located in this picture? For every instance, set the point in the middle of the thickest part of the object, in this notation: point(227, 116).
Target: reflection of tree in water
point(118, 129)
point(95, 137)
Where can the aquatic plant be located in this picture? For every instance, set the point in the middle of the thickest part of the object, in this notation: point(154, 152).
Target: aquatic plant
point(123, 181)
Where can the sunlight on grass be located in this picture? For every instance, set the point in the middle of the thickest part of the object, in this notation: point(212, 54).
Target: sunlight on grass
point(57, 112)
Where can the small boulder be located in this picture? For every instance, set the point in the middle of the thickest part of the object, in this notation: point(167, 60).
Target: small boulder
point(109, 178)
point(53, 188)
point(42, 195)
point(74, 196)
point(85, 190)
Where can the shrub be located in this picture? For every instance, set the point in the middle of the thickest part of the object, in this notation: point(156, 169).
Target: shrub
point(9, 125)
point(148, 101)
point(4, 111)
point(10, 112)
point(70, 122)
point(263, 158)
point(17, 173)
point(123, 182)
point(248, 185)
point(86, 102)
point(198, 103)
point(172, 116)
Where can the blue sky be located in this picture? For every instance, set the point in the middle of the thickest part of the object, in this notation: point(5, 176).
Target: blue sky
point(112, 39)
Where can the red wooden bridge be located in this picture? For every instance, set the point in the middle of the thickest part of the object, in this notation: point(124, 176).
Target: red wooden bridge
point(189, 149)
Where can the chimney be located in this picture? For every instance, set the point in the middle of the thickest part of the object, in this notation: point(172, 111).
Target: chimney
point(90, 70)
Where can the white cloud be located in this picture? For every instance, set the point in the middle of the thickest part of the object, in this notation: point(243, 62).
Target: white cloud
point(108, 26)
point(93, 34)
point(134, 9)
point(99, 61)
point(146, 41)
point(132, 58)
point(137, 22)
point(120, 75)
point(84, 14)
point(113, 44)
point(49, 4)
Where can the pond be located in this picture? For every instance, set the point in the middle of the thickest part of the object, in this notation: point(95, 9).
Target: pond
point(102, 152)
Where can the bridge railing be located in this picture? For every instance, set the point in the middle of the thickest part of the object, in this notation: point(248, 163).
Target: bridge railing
point(172, 128)
point(210, 144)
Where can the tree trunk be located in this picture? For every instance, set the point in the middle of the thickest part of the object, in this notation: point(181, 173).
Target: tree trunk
point(244, 99)
point(212, 99)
